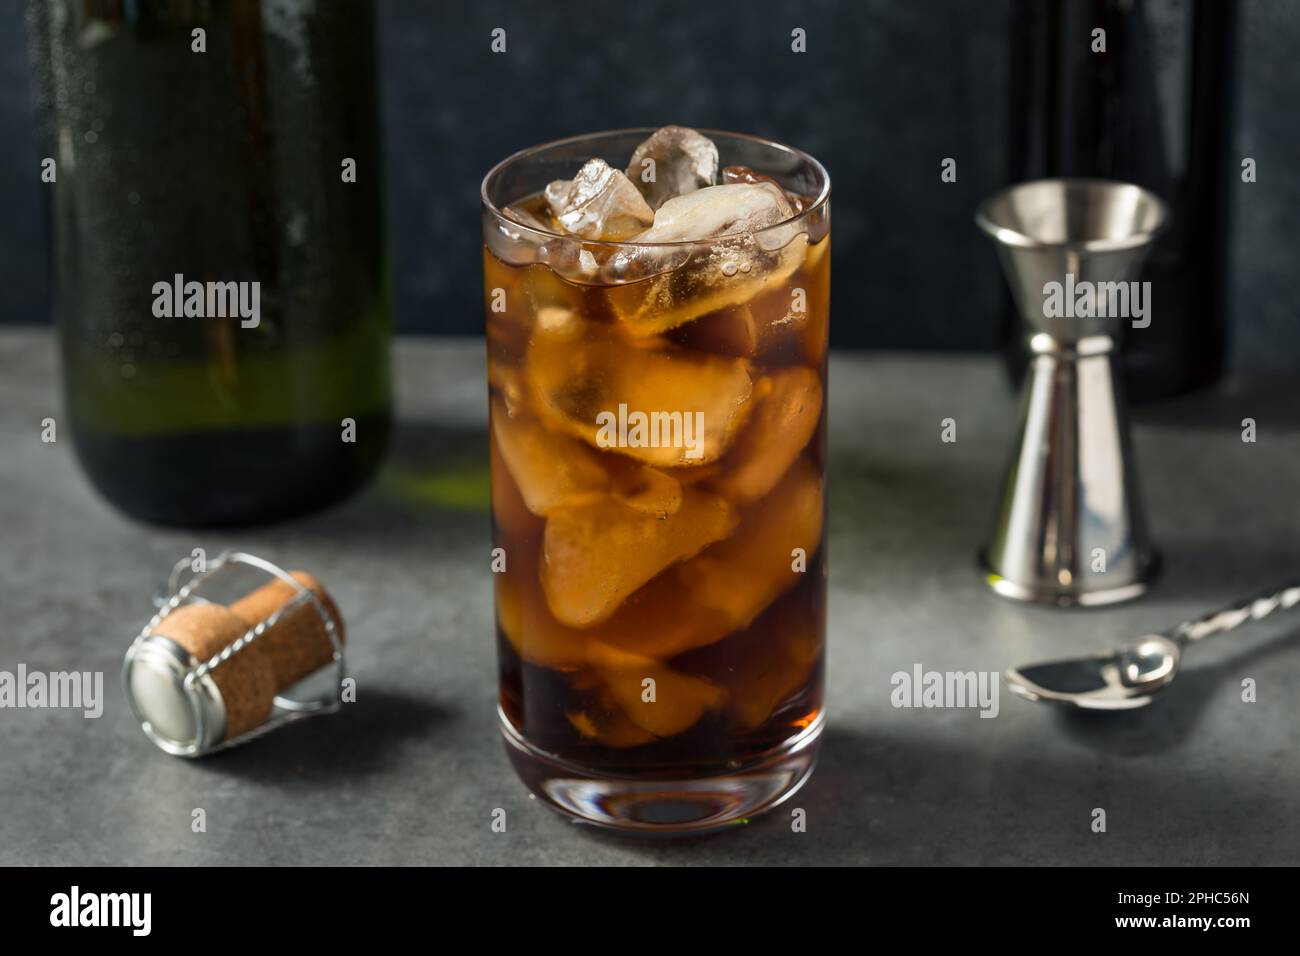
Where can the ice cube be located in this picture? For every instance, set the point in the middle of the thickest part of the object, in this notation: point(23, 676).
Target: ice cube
point(718, 211)
point(596, 555)
point(506, 379)
point(679, 700)
point(657, 621)
point(551, 470)
point(509, 511)
point(642, 487)
point(673, 161)
point(762, 667)
point(726, 275)
point(778, 324)
point(526, 216)
point(661, 620)
point(694, 476)
point(784, 419)
point(526, 621)
point(578, 370)
point(599, 203)
point(743, 174)
point(767, 328)
point(730, 266)
point(512, 244)
point(795, 327)
point(604, 722)
point(816, 276)
point(730, 331)
point(742, 575)
point(508, 318)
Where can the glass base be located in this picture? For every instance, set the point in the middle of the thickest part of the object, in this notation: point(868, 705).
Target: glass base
point(668, 806)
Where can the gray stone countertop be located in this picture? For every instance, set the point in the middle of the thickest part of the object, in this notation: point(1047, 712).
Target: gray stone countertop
point(412, 772)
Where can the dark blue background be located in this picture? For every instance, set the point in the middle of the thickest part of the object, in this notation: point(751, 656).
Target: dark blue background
point(886, 90)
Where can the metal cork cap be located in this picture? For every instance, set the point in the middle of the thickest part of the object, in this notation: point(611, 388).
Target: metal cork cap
point(154, 674)
point(207, 674)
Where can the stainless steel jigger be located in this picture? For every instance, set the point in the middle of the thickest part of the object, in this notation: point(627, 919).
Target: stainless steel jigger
point(1070, 506)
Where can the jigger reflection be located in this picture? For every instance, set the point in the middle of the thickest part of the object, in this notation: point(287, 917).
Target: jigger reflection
point(1070, 528)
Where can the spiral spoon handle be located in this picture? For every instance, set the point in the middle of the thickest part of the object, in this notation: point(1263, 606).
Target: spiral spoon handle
point(1237, 614)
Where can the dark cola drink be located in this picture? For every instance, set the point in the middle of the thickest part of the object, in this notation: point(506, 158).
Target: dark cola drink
point(658, 436)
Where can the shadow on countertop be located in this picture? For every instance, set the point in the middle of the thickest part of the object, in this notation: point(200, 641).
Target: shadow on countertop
point(336, 748)
point(1173, 716)
point(433, 487)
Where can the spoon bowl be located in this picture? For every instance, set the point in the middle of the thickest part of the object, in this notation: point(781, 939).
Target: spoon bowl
point(1121, 679)
point(1130, 676)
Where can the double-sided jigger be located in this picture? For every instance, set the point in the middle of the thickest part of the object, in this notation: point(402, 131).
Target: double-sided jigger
point(1070, 529)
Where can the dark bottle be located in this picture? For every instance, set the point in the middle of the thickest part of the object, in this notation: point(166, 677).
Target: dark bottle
point(220, 171)
point(1153, 109)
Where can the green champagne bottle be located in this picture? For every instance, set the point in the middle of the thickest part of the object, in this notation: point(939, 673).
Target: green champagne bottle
point(221, 281)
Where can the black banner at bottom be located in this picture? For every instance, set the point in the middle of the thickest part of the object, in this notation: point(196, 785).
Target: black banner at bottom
point(335, 905)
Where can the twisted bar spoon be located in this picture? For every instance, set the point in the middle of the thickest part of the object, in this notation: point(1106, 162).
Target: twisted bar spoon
point(1131, 675)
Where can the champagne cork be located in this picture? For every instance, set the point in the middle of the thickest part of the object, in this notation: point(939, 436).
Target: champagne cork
point(237, 694)
point(246, 684)
point(300, 646)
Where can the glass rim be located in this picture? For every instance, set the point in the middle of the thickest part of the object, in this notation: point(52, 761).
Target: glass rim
point(823, 197)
